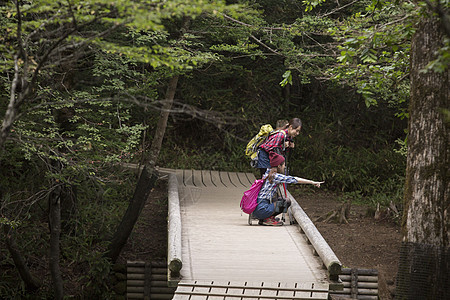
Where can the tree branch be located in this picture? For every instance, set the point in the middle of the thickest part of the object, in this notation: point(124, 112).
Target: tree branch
point(21, 88)
point(338, 9)
point(252, 26)
point(265, 46)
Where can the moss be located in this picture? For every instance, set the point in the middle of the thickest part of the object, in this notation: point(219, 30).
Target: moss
point(407, 198)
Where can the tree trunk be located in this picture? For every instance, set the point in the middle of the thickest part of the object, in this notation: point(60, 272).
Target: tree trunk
point(146, 182)
point(31, 282)
point(148, 176)
point(162, 123)
point(15, 100)
point(424, 267)
point(286, 91)
point(427, 184)
point(55, 232)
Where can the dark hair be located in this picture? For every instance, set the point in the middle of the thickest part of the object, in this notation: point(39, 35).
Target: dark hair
point(295, 123)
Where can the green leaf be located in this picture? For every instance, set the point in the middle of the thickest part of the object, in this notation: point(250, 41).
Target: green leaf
point(287, 78)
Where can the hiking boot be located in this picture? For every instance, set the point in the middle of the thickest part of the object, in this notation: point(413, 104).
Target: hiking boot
point(271, 221)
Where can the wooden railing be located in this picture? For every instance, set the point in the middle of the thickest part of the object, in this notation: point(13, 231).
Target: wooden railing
point(321, 247)
point(174, 261)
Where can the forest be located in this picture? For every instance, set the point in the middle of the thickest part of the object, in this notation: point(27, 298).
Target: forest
point(89, 86)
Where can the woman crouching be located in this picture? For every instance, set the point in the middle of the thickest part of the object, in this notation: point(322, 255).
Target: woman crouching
point(265, 210)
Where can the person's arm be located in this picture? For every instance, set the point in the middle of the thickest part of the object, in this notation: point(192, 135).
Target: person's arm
point(281, 178)
point(307, 181)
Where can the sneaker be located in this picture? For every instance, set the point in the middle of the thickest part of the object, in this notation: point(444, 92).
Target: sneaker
point(260, 222)
point(271, 221)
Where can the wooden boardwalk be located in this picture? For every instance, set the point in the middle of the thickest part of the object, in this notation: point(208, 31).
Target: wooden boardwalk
point(245, 290)
point(220, 248)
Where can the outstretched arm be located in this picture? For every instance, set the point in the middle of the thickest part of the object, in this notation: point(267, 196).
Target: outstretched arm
point(307, 181)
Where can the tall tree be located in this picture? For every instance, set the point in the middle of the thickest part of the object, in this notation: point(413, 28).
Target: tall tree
point(373, 55)
point(424, 262)
point(146, 182)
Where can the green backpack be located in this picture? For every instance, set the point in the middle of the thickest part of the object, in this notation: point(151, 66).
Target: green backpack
point(252, 147)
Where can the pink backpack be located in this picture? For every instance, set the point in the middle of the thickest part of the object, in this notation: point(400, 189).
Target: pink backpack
point(248, 202)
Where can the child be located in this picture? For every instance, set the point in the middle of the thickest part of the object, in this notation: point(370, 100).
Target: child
point(282, 124)
point(289, 142)
point(266, 211)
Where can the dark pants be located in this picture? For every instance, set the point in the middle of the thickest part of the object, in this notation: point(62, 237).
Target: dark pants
point(263, 161)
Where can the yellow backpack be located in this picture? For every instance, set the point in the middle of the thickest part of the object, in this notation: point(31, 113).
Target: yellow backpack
point(252, 147)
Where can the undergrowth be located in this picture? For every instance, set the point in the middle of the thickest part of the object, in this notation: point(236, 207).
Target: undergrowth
point(376, 176)
point(88, 220)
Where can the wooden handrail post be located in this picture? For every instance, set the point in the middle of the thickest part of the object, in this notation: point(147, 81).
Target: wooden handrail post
point(174, 261)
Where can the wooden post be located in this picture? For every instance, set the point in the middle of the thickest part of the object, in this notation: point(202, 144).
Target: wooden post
point(322, 248)
point(147, 281)
point(354, 283)
point(174, 262)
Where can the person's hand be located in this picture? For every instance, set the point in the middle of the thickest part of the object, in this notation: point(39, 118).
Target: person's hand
point(292, 145)
point(317, 183)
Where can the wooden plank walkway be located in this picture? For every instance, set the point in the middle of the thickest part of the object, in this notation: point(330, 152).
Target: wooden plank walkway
point(244, 290)
point(219, 246)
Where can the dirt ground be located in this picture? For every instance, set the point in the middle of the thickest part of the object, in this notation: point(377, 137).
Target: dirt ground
point(363, 243)
point(148, 241)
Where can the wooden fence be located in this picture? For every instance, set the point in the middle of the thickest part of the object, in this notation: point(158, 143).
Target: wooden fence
point(358, 284)
point(148, 281)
